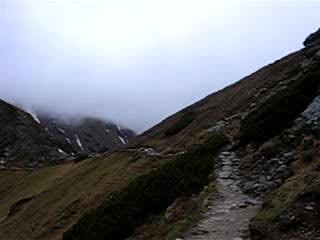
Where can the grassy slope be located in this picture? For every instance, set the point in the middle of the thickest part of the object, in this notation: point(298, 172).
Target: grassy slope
point(224, 103)
point(63, 193)
point(149, 194)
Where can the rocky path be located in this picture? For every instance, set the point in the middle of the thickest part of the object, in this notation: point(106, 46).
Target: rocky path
point(230, 212)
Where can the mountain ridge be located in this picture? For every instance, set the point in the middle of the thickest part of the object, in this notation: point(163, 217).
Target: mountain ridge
point(35, 140)
point(86, 135)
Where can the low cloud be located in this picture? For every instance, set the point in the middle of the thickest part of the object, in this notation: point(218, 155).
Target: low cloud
point(143, 62)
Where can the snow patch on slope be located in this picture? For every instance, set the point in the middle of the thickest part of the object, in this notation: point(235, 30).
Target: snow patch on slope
point(61, 130)
point(122, 140)
point(61, 151)
point(79, 142)
point(120, 129)
point(68, 140)
point(34, 116)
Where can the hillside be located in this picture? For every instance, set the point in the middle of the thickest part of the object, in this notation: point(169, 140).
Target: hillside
point(226, 105)
point(249, 152)
point(23, 142)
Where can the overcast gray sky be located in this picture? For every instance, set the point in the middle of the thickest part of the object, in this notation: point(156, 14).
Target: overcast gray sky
point(137, 62)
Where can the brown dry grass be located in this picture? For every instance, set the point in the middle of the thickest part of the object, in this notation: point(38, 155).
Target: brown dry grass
point(231, 100)
point(61, 194)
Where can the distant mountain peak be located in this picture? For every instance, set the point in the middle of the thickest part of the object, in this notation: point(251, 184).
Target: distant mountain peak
point(29, 139)
point(85, 135)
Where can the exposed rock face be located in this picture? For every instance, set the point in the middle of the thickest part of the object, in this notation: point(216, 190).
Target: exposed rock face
point(86, 136)
point(23, 141)
point(312, 44)
point(313, 39)
point(310, 118)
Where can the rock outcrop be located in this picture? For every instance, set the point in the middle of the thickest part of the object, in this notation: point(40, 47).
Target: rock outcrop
point(313, 39)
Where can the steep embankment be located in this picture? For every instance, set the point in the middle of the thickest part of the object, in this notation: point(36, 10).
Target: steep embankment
point(226, 105)
point(156, 183)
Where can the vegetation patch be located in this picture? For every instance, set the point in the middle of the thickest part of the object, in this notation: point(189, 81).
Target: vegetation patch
point(179, 217)
point(149, 194)
point(177, 229)
point(280, 110)
point(182, 123)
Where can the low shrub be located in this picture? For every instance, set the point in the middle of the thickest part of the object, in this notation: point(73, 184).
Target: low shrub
point(280, 110)
point(182, 123)
point(307, 156)
point(149, 194)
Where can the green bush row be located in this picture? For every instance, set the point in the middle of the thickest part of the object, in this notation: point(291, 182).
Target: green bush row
point(280, 110)
point(182, 123)
point(149, 194)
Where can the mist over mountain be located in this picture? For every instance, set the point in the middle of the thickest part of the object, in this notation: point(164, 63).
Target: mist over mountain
point(138, 63)
point(85, 135)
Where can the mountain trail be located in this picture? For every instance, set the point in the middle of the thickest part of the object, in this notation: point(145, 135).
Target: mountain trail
point(230, 211)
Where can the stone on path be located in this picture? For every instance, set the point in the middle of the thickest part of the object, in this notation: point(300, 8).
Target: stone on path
point(229, 214)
